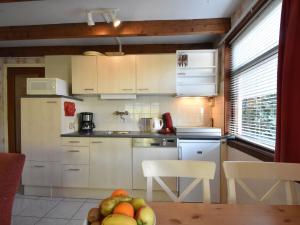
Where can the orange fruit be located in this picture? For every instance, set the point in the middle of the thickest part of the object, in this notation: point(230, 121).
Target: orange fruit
point(119, 192)
point(124, 208)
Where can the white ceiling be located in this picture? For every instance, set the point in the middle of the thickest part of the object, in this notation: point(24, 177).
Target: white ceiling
point(74, 11)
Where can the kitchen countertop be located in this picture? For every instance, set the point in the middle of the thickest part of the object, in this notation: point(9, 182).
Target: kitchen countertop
point(135, 134)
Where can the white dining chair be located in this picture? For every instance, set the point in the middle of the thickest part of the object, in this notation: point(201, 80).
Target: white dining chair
point(282, 173)
point(200, 170)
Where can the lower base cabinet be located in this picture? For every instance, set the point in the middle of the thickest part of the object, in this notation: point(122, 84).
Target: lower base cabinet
point(42, 174)
point(76, 176)
point(111, 163)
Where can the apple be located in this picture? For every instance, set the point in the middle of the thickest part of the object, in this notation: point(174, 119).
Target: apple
point(138, 203)
point(145, 216)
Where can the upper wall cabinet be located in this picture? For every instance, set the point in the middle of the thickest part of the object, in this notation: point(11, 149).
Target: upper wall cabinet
point(197, 72)
point(156, 74)
point(117, 74)
point(84, 74)
point(58, 66)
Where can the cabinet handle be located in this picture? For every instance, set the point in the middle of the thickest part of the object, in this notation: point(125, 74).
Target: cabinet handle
point(74, 141)
point(199, 152)
point(74, 151)
point(35, 166)
point(89, 89)
point(143, 89)
point(74, 169)
point(127, 89)
point(51, 102)
point(97, 142)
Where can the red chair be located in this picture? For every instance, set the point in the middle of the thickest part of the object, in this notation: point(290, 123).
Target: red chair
point(11, 166)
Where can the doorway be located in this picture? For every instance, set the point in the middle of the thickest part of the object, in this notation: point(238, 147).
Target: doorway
point(16, 88)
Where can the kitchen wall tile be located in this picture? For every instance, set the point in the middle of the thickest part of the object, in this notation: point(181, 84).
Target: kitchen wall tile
point(184, 111)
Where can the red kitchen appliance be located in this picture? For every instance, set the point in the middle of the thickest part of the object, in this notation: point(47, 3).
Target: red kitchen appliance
point(168, 124)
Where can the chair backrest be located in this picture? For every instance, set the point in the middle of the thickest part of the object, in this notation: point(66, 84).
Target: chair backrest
point(200, 170)
point(11, 166)
point(282, 173)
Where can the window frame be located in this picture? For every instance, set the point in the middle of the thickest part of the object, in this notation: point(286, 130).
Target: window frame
point(249, 147)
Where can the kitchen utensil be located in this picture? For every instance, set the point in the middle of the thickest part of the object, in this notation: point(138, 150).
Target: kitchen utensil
point(156, 124)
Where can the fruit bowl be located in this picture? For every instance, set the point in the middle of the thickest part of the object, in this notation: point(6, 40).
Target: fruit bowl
point(121, 209)
point(87, 223)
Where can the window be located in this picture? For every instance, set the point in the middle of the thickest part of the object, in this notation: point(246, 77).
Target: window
point(254, 79)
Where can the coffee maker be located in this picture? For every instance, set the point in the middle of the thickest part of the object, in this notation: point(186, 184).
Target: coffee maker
point(86, 124)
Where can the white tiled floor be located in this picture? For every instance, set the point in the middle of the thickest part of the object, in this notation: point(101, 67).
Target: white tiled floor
point(33, 210)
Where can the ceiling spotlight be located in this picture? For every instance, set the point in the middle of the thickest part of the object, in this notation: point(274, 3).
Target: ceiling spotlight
point(116, 22)
point(109, 14)
point(90, 20)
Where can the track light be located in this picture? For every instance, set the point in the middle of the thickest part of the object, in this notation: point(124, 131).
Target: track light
point(110, 15)
point(90, 20)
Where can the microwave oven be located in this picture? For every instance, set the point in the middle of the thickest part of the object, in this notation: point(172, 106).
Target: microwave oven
point(46, 86)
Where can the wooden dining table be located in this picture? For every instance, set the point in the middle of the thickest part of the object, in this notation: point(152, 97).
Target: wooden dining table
point(225, 214)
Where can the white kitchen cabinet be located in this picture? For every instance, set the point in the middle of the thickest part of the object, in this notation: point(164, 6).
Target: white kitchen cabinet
point(156, 74)
point(75, 155)
point(42, 174)
point(58, 66)
point(42, 122)
point(40, 128)
point(84, 74)
point(76, 176)
point(116, 74)
point(110, 163)
point(197, 72)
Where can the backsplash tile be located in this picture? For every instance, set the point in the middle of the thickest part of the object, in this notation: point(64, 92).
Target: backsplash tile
point(184, 111)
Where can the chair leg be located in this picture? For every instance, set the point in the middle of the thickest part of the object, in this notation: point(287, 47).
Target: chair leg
point(149, 189)
point(291, 194)
point(231, 198)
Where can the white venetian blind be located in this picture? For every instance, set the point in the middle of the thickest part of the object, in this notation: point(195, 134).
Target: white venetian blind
point(261, 36)
point(254, 79)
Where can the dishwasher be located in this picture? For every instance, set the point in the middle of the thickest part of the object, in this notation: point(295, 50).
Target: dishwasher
point(152, 149)
point(203, 144)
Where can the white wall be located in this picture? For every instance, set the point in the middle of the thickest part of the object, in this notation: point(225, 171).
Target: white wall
point(184, 111)
point(260, 187)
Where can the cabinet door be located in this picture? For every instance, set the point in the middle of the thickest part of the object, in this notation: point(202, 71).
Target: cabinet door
point(40, 128)
point(42, 174)
point(156, 74)
point(84, 74)
point(58, 66)
point(111, 163)
point(51, 127)
point(75, 176)
point(117, 74)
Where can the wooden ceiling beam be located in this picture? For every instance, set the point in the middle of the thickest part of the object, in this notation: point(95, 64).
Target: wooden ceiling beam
point(126, 29)
point(12, 1)
point(78, 50)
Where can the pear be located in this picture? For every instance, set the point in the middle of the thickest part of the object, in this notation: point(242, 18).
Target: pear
point(138, 203)
point(117, 219)
point(145, 216)
point(122, 198)
point(107, 206)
